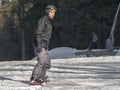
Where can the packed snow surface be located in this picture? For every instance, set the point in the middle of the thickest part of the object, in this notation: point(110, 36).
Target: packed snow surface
point(93, 73)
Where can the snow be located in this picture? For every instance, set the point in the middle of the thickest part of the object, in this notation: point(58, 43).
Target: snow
point(67, 72)
point(62, 52)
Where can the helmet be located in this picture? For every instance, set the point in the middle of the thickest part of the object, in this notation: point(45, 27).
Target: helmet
point(50, 7)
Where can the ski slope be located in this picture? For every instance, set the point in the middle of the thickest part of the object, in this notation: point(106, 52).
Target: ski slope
point(93, 73)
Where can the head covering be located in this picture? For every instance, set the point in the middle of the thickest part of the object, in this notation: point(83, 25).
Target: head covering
point(50, 7)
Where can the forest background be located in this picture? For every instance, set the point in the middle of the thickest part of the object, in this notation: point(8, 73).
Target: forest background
point(74, 23)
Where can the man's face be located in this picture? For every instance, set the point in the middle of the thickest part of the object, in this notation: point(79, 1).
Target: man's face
point(51, 14)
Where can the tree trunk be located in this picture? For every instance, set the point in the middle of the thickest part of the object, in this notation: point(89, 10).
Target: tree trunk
point(22, 37)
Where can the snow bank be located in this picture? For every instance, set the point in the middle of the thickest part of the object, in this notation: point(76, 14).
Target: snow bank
point(62, 52)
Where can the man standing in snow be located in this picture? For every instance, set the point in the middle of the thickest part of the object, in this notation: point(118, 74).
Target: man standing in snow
point(94, 41)
point(42, 37)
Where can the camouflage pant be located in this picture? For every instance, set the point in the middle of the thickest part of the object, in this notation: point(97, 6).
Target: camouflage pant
point(43, 63)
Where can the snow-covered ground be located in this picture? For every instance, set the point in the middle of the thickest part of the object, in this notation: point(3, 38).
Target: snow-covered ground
point(66, 73)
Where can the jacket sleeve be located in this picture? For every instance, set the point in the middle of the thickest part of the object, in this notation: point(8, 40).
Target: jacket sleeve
point(39, 31)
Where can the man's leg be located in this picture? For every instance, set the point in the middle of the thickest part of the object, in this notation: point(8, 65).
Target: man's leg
point(39, 70)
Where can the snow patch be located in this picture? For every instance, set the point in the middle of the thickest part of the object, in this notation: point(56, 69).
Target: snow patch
point(62, 52)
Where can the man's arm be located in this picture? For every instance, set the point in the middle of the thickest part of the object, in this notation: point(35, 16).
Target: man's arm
point(39, 31)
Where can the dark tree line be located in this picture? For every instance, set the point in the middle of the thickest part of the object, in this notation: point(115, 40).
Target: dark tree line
point(74, 24)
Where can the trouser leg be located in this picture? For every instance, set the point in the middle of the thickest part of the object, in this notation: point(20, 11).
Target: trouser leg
point(43, 63)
